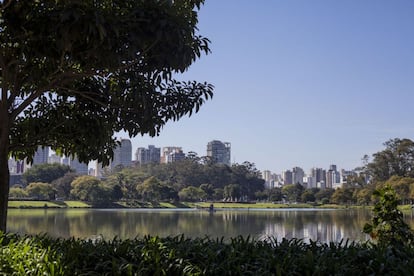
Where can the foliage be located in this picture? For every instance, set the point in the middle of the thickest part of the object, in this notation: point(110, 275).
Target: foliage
point(232, 191)
point(45, 173)
point(192, 194)
point(89, 189)
point(40, 190)
point(154, 190)
point(200, 256)
point(18, 192)
point(67, 64)
point(397, 159)
point(293, 192)
point(403, 186)
point(63, 184)
point(73, 73)
point(343, 196)
point(28, 256)
point(388, 226)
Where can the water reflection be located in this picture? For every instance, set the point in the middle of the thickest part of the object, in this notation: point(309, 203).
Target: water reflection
point(322, 225)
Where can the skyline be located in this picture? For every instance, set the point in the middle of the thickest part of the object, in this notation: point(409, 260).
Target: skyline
point(300, 83)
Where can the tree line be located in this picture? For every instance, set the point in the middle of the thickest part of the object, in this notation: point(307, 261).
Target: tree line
point(200, 179)
point(192, 179)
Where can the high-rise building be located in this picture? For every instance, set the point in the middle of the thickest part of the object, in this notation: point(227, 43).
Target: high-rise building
point(320, 177)
point(41, 155)
point(54, 158)
point(172, 154)
point(287, 177)
point(122, 154)
point(332, 177)
point(219, 152)
point(175, 156)
point(150, 155)
point(78, 167)
point(297, 175)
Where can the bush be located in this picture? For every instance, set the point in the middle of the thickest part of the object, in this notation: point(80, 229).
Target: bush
point(41, 255)
point(388, 226)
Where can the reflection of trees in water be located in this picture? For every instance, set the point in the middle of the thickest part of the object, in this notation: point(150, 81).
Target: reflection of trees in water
point(323, 225)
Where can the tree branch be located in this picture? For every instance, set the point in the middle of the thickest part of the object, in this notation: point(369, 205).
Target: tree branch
point(5, 4)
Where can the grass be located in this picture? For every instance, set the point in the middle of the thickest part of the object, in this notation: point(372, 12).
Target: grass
point(260, 205)
point(76, 204)
point(33, 204)
point(47, 204)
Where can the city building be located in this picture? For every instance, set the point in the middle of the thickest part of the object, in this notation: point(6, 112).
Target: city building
point(219, 152)
point(41, 156)
point(297, 175)
point(172, 154)
point(272, 180)
point(78, 167)
point(54, 158)
point(310, 182)
point(319, 175)
point(175, 156)
point(122, 154)
point(149, 155)
point(333, 177)
point(16, 166)
point(287, 177)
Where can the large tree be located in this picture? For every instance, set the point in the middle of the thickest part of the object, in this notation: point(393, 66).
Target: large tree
point(45, 173)
point(397, 159)
point(74, 72)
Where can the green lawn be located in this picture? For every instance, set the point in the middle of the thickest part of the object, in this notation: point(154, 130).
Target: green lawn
point(47, 204)
point(260, 205)
point(33, 204)
point(76, 204)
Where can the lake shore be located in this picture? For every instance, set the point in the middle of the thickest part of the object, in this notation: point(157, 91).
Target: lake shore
point(32, 204)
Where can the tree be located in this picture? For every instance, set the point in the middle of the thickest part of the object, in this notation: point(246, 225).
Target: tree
point(89, 188)
point(45, 173)
point(232, 191)
point(150, 189)
point(397, 159)
point(73, 73)
point(402, 186)
point(192, 194)
point(117, 193)
point(363, 196)
point(41, 190)
point(324, 194)
point(343, 196)
point(18, 192)
point(208, 189)
point(308, 196)
point(293, 192)
point(387, 225)
point(63, 184)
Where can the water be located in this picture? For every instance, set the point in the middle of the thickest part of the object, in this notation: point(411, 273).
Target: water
point(314, 224)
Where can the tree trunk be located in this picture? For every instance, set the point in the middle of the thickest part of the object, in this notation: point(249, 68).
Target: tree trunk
point(4, 163)
point(4, 187)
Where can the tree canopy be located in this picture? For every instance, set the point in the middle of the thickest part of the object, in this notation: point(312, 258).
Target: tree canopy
point(45, 173)
point(73, 73)
point(397, 159)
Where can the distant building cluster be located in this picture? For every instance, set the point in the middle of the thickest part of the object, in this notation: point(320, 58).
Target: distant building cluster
point(218, 151)
point(316, 178)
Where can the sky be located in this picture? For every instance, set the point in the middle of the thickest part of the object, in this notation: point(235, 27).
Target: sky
point(304, 83)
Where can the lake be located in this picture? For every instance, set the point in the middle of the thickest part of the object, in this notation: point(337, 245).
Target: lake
point(315, 224)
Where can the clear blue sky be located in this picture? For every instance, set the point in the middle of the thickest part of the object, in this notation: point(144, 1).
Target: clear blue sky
point(301, 83)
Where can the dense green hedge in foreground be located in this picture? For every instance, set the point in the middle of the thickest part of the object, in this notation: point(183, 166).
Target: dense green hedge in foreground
point(42, 255)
